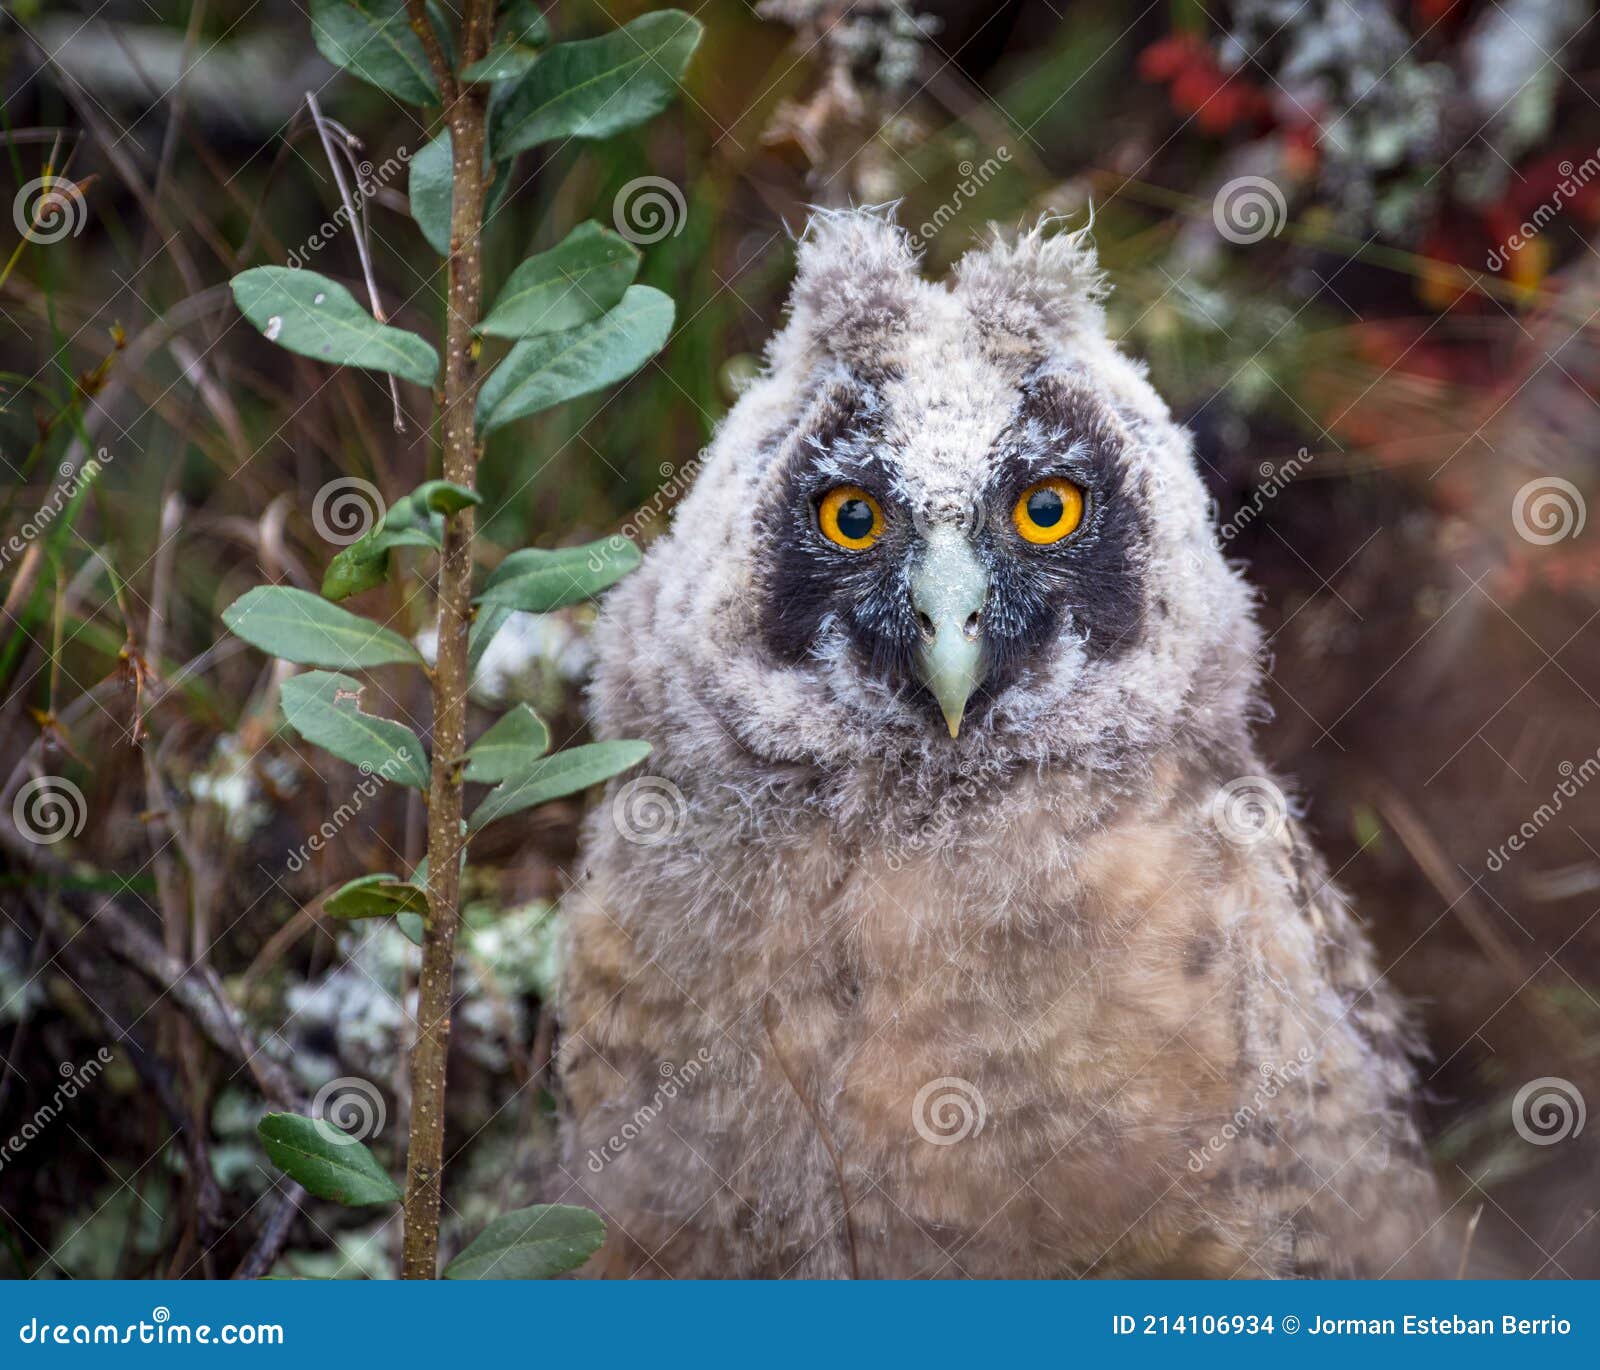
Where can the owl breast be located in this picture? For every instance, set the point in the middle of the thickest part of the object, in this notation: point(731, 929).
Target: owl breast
point(989, 1078)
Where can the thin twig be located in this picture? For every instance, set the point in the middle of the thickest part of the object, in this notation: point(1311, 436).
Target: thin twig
point(274, 1235)
point(353, 206)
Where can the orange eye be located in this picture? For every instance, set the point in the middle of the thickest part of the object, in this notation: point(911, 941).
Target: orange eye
point(850, 517)
point(1048, 510)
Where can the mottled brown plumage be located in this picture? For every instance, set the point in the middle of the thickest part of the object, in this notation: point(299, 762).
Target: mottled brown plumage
point(1069, 994)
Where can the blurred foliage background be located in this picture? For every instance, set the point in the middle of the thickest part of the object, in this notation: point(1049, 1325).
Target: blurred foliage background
point(1386, 351)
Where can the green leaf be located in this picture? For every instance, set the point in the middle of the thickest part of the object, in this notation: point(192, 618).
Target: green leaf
point(598, 87)
point(365, 562)
point(373, 40)
point(537, 580)
point(330, 1163)
point(430, 188)
point(306, 629)
point(325, 709)
point(443, 497)
point(316, 317)
point(530, 1244)
point(572, 283)
point(539, 372)
point(376, 896)
point(525, 23)
point(503, 64)
point(411, 926)
point(550, 777)
point(489, 620)
point(514, 742)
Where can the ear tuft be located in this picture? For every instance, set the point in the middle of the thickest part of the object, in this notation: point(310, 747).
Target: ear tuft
point(1035, 286)
point(855, 279)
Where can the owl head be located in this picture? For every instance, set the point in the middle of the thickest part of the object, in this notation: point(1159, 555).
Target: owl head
point(949, 521)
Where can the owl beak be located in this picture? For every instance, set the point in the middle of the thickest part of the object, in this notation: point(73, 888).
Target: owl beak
point(948, 591)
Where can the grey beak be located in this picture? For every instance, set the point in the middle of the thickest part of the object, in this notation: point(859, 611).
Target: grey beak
point(948, 590)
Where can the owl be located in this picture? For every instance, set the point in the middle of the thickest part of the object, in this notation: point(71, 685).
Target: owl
point(957, 928)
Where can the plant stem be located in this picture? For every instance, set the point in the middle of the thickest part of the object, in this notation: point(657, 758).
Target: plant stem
point(465, 108)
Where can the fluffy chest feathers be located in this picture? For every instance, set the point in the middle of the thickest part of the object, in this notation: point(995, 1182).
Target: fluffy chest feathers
point(996, 1063)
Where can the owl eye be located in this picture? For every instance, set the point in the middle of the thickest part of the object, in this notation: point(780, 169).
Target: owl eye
point(850, 517)
point(1048, 510)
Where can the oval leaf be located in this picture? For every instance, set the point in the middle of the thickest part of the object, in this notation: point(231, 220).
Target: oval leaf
point(376, 896)
point(330, 1163)
point(316, 317)
point(505, 63)
point(306, 629)
point(429, 190)
point(578, 280)
point(537, 580)
point(512, 744)
point(365, 562)
point(444, 497)
point(539, 372)
point(373, 40)
point(325, 709)
point(598, 87)
point(550, 777)
point(525, 23)
point(488, 621)
point(531, 1244)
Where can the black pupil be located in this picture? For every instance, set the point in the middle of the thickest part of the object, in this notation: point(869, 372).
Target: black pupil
point(1045, 507)
point(855, 519)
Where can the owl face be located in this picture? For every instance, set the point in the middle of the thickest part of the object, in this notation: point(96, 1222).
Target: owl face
point(950, 523)
point(949, 582)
